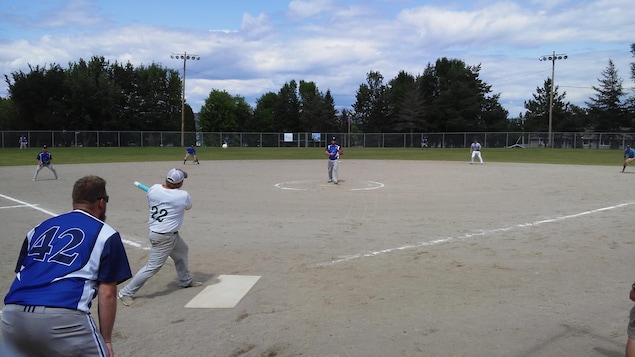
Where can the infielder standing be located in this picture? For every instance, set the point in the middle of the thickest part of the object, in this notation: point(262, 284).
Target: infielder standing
point(475, 150)
point(65, 262)
point(167, 205)
point(333, 151)
point(44, 159)
point(190, 151)
point(629, 156)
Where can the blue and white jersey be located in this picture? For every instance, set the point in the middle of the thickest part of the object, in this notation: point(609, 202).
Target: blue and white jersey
point(630, 153)
point(44, 157)
point(64, 258)
point(190, 150)
point(334, 151)
point(476, 146)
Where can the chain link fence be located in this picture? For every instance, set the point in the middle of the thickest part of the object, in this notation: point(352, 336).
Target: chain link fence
point(586, 140)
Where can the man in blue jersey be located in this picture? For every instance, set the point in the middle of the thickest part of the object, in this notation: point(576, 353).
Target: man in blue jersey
point(629, 156)
point(44, 159)
point(65, 262)
point(23, 142)
point(333, 151)
point(190, 151)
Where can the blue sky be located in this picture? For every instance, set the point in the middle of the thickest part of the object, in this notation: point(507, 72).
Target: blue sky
point(250, 47)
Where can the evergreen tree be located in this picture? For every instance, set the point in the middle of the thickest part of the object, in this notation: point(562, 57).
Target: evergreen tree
point(606, 110)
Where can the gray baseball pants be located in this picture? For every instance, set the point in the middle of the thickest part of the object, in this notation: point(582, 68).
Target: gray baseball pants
point(48, 166)
point(50, 332)
point(332, 167)
point(163, 246)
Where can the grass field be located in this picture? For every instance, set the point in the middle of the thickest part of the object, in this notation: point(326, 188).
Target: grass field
point(75, 155)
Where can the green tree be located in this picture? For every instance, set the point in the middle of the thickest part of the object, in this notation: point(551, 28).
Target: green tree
point(537, 115)
point(7, 115)
point(91, 96)
point(460, 96)
point(372, 105)
point(218, 112)
point(286, 111)
point(606, 110)
point(38, 97)
point(264, 114)
point(317, 111)
point(97, 95)
point(407, 104)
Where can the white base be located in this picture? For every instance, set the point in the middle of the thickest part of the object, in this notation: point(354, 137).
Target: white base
point(227, 293)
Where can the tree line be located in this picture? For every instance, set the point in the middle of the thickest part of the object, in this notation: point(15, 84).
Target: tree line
point(448, 96)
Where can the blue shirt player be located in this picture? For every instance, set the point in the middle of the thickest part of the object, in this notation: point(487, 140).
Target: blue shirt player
point(23, 142)
point(629, 156)
point(44, 159)
point(190, 151)
point(333, 151)
point(65, 262)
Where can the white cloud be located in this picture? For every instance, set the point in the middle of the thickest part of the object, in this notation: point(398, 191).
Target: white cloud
point(335, 44)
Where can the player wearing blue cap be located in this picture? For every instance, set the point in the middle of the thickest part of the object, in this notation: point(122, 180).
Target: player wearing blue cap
point(333, 151)
point(65, 262)
point(44, 159)
point(190, 151)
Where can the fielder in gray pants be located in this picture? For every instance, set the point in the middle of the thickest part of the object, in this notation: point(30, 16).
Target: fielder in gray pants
point(333, 151)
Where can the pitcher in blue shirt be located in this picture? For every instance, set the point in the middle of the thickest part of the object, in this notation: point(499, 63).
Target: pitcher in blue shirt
point(333, 151)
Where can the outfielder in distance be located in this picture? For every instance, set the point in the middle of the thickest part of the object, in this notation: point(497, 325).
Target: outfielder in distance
point(167, 204)
point(333, 151)
point(629, 156)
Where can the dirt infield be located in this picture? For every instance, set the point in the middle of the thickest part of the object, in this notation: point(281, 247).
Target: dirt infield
point(402, 258)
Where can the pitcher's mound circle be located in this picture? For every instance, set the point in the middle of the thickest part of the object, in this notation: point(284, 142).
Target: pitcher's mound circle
point(317, 185)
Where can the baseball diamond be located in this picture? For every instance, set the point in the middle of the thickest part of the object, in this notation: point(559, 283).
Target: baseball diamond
point(438, 259)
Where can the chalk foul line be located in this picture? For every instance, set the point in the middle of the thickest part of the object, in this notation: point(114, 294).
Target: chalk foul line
point(35, 207)
point(469, 235)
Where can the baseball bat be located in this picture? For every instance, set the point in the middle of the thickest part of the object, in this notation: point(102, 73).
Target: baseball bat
point(141, 186)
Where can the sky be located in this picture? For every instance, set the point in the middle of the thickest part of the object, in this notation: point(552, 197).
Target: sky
point(252, 47)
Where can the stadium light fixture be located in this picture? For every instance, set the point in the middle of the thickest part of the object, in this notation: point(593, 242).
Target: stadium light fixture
point(185, 57)
point(552, 57)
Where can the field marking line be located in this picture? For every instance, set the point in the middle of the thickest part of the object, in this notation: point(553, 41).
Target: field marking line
point(469, 235)
point(35, 207)
point(370, 185)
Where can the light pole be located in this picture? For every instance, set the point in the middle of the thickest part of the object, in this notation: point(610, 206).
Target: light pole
point(552, 57)
point(183, 56)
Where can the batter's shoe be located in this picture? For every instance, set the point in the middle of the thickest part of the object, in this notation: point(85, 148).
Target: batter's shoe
point(125, 299)
point(193, 284)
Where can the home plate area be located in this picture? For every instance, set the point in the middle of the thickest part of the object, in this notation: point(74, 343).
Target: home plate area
point(225, 294)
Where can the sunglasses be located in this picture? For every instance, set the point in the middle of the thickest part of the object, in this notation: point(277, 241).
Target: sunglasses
point(105, 198)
